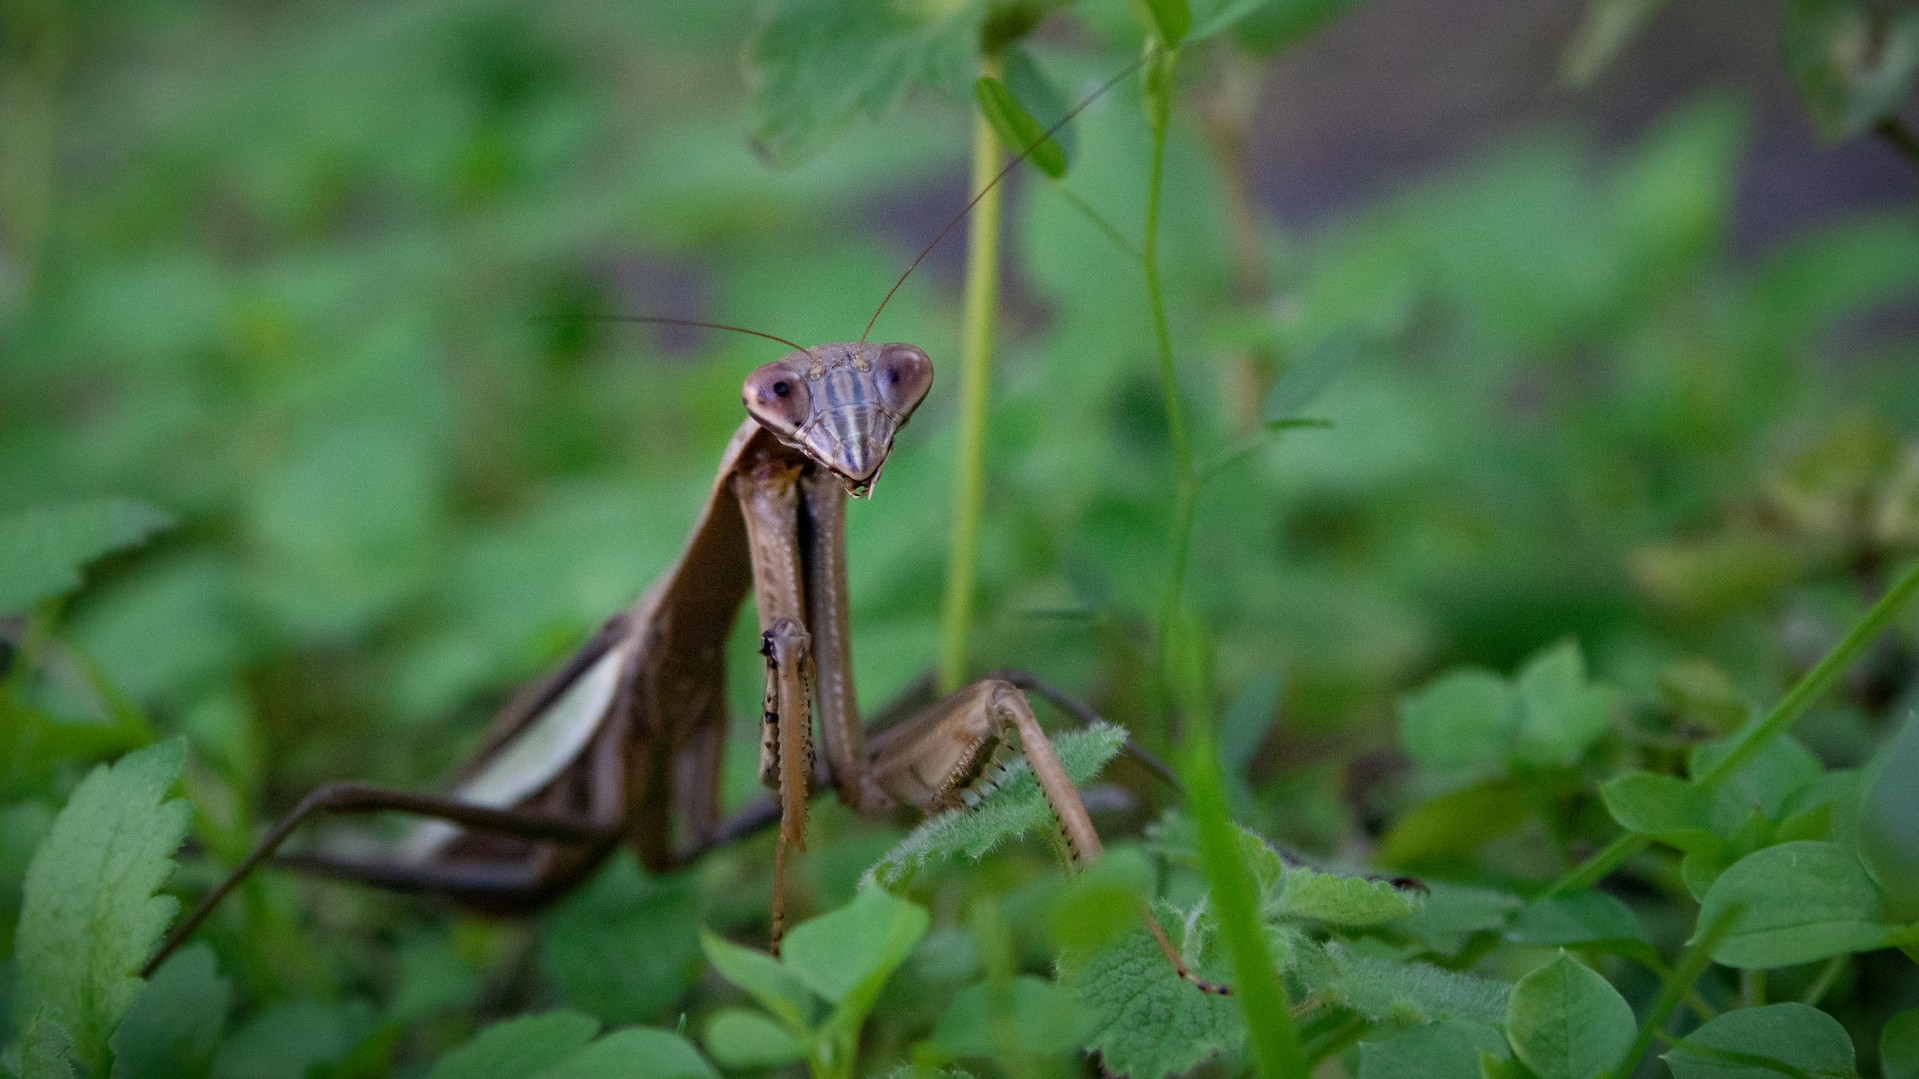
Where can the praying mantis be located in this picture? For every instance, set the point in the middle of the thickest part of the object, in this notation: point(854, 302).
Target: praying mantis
point(629, 732)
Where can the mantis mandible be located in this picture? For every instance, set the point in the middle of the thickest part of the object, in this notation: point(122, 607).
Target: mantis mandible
point(629, 731)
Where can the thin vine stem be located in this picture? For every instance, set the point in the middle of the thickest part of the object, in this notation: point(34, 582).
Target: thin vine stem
point(976, 365)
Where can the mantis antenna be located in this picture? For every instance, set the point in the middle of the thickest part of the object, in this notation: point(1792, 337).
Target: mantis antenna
point(661, 320)
point(1010, 166)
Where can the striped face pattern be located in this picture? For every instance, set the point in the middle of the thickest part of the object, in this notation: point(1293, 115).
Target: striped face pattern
point(841, 404)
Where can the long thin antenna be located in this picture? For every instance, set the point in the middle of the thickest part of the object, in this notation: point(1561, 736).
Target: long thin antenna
point(1010, 166)
point(660, 320)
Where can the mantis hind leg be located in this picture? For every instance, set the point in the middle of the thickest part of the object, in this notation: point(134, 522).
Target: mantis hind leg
point(931, 758)
point(363, 798)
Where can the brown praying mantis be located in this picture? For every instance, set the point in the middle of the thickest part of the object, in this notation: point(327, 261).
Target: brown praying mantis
point(629, 732)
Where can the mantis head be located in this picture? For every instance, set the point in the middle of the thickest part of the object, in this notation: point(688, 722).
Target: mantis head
point(841, 405)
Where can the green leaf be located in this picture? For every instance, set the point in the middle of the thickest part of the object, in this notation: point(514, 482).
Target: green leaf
point(295, 1037)
point(1448, 1049)
point(518, 1047)
point(175, 1024)
point(1021, 1015)
point(1168, 20)
point(1799, 902)
point(1567, 1022)
point(742, 1039)
point(1306, 378)
point(1392, 990)
point(1345, 901)
point(1888, 822)
point(1271, 26)
point(1578, 918)
point(816, 66)
point(1017, 130)
point(1455, 913)
point(89, 916)
point(846, 954)
point(1899, 1046)
point(1762, 1043)
point(1561, 713)
point(777, 988)
point(1667, 808)
point(1607, 27)
point(1014, 809)
point(42, 548)
point(634, 1053)
point(46, 1051)
point(1147, 1022)
point(1854, 63)
point(626, 946)
point(1465, 721)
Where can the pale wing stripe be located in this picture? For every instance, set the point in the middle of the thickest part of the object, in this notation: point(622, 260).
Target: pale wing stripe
point(533, 757)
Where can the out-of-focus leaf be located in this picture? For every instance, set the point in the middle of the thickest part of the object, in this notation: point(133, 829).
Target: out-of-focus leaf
point(1023, 1015)
point(292, 1037)
point(1310, 373)
point(778, 989)
point(1447, 1049)
point(816, 66)
point(1854, 62)
point(520, 1047)
point(1758, 1043)
point(1455, 913)
point(1578, 918)
point(738, 1038)
point(174, 1026)
point(1899, 1046)
point(89, 916)
point(1017, 130)
point(625, 947)
point(1463, 722)
point(847, 954)
point(1667, 808)
point(1168, 20)
point(1798, 902)
point(43, 548)
point(1561, 713)
point(46, 1051)
point(1606, 28)
point(1888, 822)
point(1271, 26)
point(634, 1053)
point(1565, 1021)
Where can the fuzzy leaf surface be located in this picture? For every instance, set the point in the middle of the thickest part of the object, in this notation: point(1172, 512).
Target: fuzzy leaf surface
point(89, 916)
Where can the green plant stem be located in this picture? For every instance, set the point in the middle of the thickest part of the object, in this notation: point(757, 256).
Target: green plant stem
point(1675, 987)
point(1801, 697)
point(1256, 984)
point(1159, 99)
point(976, 363)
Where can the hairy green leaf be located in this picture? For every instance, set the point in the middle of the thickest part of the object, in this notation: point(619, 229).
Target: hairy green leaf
point(1148, 1023)
point(1565, 1021)
point(1393, 990)
point(43, 548)
point(89, 916)
point(1013, 810)
point(1762, 1043)
point(46, 1050)
point(1344, 900)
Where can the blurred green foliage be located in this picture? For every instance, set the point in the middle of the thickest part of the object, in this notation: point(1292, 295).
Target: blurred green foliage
point(1585, 488)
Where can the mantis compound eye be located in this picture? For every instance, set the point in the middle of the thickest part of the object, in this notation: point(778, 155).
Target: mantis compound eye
point(777, 396)
point(904, 375)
